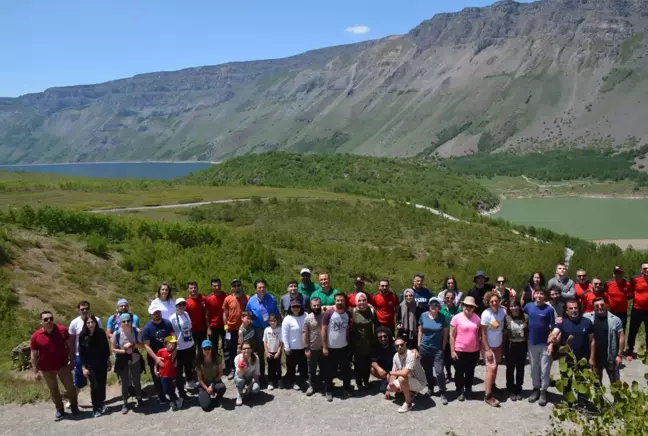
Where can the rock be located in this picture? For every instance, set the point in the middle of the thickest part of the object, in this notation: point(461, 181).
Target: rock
point(21, 356)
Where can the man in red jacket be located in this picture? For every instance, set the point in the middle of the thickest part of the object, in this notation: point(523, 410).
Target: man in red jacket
point(214, 307)
point(196, 309)
point(617, 292)
point(385, 302)
point(639, 314)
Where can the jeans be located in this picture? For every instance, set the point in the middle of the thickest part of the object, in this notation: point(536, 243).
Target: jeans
point(448, 362)
point(296, 360)
point(465, 376)
point(433, 364)
point(274, 368)
point(168, 385)
point(362, 367)
point(612, 370)
point(540, 363)
point(205, 400)
point(216, 334)
point(229, 351)
point(623, 316)
point(98, 377)
point(315, 359)
point(185, 360)
point(338, 358)
point(51, 381)
point(637, 317)
point(259, 350)
point(515, 360)
point(159, 390)
point(243, 382)
point(130, 375)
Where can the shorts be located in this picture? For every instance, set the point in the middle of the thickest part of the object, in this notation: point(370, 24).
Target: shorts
point(79, 379)
point(414, 384)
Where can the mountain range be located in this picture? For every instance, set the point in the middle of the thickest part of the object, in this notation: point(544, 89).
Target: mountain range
point(510, 76)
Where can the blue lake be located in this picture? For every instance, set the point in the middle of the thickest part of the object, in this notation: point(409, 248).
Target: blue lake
point(116, 170)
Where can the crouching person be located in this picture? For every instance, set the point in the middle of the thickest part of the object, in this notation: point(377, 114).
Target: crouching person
point(209, 369)
point(247, 373)
point(407, 375)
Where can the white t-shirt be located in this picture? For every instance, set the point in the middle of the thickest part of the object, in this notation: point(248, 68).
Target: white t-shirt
point(273, 337)
point(76, 327)
point(182, 328)
point(167, 307)
point(495, 323)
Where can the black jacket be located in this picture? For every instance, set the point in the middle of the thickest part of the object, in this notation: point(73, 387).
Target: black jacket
point(94, 350)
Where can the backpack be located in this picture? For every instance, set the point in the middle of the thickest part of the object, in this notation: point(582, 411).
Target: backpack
point(115, 320)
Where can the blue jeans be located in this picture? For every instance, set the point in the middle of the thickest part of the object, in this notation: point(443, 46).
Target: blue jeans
point(168, 386)
point(242, 382)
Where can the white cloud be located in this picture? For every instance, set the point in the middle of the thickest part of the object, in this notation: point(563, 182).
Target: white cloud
point(358, 29)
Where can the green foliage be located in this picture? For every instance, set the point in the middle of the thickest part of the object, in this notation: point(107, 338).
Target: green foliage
point(446, 134)
point(97, 245)
point(321, 145)
point(616, 76)
point(5, 250)
point(630, 45)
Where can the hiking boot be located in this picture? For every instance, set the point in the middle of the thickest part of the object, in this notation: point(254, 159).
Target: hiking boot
point(59, 415)
point(310, 391)
point(405, 408)
point(535, 396)
point(443, 398)
point(543, 398)
point(75, 410)
point(329, 397)
point(492, 401)
point(239, 400)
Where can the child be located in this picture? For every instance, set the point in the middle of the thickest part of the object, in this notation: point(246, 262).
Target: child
point(246, 331)
point(167, 370)
point(272, 345)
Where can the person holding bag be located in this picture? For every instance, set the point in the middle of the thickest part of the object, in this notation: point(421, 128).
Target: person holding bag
point(128, 361)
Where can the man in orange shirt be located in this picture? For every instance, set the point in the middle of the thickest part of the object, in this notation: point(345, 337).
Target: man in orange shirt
point(639, 314)
point(198, 314)
point(617, 292)
point(582, 284)
point(214, 307)
point(590, 294)
point(233, 306)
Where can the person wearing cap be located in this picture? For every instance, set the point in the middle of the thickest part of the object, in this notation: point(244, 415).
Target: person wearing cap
point(214, 307)
point(113, 320)
point(153, 336)
point(542, 319)
point(406, 320)
point(432, 340)
point(639, 313)
point(358, 287)
point(617, 293)
point(196, 308)
point(186, 354)
point(326, 294)
point(312, 339)
point(464, 346)
point(362, 338)
point(564, 283)
point(293, 343)
point(76, 327)
point(293, 294)
point(385, 302)
point(421, 294)
point(233, 306)
point(492, 338)
point(306, 287)
point(128, 361)
point(450, 286)
point(261, 306)
point(479, 291)
point(247, 373)
point(164, 300)
point(166, 370)
point(209, 370)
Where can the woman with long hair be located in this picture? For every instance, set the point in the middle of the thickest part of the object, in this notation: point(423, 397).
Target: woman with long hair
point(450, 286)
point(406, 321)
point(536, 282)
point(94, 355)
point(128, 361)
point(247, 373)
point(165, 301)
point(492, 338)
point(209, 370)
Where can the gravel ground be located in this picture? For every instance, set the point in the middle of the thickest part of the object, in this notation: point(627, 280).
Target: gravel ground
point(290, 412)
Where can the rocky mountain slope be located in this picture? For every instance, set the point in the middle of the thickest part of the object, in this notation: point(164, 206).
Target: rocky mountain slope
point(553, 73)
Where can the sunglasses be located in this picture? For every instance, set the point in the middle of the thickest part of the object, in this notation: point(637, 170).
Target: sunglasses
point(400, 345)
point(181, 304)
point(238, 285)
point(501, 282)
point(207, 349)
point(126, 322)
point(582, 276)
point(84, 309)
point(48, 319)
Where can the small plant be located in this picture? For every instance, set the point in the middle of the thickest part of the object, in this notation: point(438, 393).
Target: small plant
point(97, 245)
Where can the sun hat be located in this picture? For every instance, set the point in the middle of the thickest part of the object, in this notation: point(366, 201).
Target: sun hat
point(434, 300)
point(206, 344)
point(480, 274)
point(124, 317)
point(171, 339)
point(180, 300)
point(469, 301)
point(305, 271)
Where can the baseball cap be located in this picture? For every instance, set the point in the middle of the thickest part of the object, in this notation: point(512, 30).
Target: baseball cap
point(434, 300)
point(121, 301)
point(358, 279)
point(171, 339)
point(155, 307)
point(206, 344)
point(618, 269)
point(305, 271)
point(180, 300)
point(235, 281)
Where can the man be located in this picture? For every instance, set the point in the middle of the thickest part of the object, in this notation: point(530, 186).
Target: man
point(577, 332)
point(292, 294)
point(479, 290)
point(609, 340)
point(382, 360)
point(407, 375)
point(421, 294)
point(113, 322)
point(385, 302)
point(541, 323)
point(233, 306)
point(582, 284)
point(639, 314)
point(335, 346)
point(358, 287)
point(306, 286)
point(52, 354)
point(556, 301)
point(196, 309)
point(153, 336)
point(449, 310)
point(260, 307)
point(564, 283)
point(75, 329)
point(326, 294)
point(312, 338)
point(617, 293)
point(592, 293)
point(214, 308)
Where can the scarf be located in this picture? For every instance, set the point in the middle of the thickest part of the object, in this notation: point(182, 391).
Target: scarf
point(408, 316)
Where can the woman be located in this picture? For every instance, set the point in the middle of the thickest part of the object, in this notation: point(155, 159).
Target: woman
point(94, 355)
point(247, 373)
point(432, 340)
point(517, 333)
point(450, 286)
point(292, 338)
point(128, 360)
point(362, 336)
point(449, 310)
point(536, 281)
point(165, 301)
point(181, 323)
point(406, 319)
point(506, 294)
point(209, 370)
point(492, 338)
point(465, 346)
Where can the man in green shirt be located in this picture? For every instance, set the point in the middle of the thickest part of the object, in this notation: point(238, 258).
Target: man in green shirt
point(326, 294)
point(306, 287)
point(448, 310)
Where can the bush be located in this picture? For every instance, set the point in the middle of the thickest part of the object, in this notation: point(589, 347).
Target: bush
point(97, 245)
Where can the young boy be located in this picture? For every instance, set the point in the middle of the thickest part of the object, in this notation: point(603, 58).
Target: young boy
point(246, 331)
point(167, 370)
point(272, 345)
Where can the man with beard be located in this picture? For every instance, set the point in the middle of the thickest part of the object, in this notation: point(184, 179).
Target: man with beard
point(335, 346)
point(312, 338)
point(385, 302)
point(383, 357)
point(608, 340)
point(293, 294)
point(589, 295)
point(479, 291)
point(421, 294)
point(306, 287)
point(407, 375)
point(233, 306)
point(564, 283)
point(358, 287)
point(582, 284)
point(113, 321)
point(214, 307)
point(75, 329)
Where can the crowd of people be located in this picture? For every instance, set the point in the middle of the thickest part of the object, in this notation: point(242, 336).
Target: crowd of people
point(412, 343)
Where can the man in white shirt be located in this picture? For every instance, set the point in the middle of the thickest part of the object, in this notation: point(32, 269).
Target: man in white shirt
point(75, 329)
point(407, 375)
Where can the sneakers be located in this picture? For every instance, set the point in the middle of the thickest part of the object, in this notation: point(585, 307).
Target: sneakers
point(513, 396)
point(124, 410)
point(405, 408)
point(443, 398)
point(97, 413)
point(543, 398)
point(461, 397)
point(75, 410)
point(310, 391)
point(174, 406)
point(66, 404)
point(535, 396)
point(103, 409)
point(179, 402)
point(239, 400)
point(59, 415)
point(192, 385)
point(329, 397)
point(230, 376)
point(271, 386)
point(492, 401)
point(296, 387)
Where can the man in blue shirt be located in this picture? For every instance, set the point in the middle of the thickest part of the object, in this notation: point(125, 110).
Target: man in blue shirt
point(113, 320)
point(261, 306)
point(541, 323)
point(421, 294)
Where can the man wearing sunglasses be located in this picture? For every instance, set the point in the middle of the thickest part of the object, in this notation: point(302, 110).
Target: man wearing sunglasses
point(52, 354)
point(407, 375)
point(582, 284)
point(75, 329)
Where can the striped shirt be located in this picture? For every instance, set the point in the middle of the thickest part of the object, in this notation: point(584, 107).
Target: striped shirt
point(409, 361)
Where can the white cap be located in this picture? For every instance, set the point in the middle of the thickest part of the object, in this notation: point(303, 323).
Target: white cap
point(180, 300)
point(154, 307)
point(305, 271)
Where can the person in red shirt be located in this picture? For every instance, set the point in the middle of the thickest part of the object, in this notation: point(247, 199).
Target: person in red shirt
point(582, 284)
point(167, 371)
point(233, 306)
point(590, 294)
point(214, 307)
point(52, 357)
point(385, 302)
point(358, 286)
point(617, 293)
point(639, 313)
point(198, 313)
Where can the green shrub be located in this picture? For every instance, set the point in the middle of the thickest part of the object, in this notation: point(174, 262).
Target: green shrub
point(97, 245)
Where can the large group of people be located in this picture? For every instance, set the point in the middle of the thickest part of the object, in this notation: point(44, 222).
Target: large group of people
point(413, 343)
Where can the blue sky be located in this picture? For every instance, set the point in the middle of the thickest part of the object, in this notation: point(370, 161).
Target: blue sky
point(69, 42)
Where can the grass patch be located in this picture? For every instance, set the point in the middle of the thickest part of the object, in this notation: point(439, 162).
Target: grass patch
point(616, 76)
point(630, 45)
